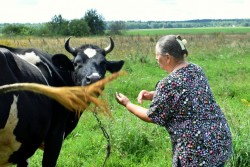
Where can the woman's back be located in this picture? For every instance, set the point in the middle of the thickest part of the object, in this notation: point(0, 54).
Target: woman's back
point(185, 105)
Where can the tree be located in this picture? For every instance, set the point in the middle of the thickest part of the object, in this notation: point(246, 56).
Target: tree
point(95, 22)
point(13, 29)
point(58, 26)
point(42, 30)
point(78, 27)
point(117, 27)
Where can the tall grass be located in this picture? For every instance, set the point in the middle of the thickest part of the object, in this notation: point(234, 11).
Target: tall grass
point(225, 59)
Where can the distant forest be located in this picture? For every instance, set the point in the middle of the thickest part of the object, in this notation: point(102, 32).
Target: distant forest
point(169, 24)
point(93, 24)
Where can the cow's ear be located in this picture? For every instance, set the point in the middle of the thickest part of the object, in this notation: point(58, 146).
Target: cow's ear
point(114, 66)
point(62, 62)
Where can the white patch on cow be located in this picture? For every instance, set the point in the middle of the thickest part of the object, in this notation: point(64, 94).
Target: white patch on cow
point(33, 59)
point(95, 74)
point(90, 52)
point(30, 57)
point(8, 142)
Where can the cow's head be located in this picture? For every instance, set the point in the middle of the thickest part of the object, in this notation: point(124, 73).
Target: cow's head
point(89, 64)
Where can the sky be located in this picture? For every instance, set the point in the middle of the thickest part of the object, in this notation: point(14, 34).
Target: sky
point(40, 11)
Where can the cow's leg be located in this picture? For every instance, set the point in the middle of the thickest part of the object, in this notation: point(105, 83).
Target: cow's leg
point(54, 139)
point(21, 156)
point(23, 164)
point(52, 147)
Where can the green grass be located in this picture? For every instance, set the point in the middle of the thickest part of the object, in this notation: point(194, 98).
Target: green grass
point(225, 59)
point(212, 30)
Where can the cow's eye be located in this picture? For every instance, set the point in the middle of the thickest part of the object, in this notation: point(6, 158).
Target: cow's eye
point(77, 65)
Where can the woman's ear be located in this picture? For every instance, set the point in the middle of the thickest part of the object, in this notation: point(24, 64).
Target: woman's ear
point(168, 58)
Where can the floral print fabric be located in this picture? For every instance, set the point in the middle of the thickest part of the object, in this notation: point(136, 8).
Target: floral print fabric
point(184, 104)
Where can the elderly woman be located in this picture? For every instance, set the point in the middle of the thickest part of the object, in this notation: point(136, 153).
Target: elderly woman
point(184, 104)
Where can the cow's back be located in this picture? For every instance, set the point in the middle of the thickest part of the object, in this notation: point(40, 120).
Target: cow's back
point(22, 113)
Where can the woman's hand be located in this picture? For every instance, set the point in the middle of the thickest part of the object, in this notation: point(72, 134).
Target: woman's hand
point(121, 99)
point(138, 111)
point(145, 95)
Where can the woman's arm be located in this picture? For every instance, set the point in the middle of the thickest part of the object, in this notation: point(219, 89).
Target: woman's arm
point(138, 111)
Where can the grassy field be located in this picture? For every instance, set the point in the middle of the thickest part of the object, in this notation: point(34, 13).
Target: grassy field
point(225, 58)
point(205, 30)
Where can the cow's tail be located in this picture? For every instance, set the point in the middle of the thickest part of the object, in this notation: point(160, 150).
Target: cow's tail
point(76, 98)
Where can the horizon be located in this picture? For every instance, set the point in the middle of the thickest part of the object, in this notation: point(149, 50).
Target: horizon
point(152, 20)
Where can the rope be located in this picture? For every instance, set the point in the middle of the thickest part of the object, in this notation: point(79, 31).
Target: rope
point(108, 148)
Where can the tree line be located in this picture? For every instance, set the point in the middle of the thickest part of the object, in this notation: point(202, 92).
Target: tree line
point(93, 23)
point(187, 24)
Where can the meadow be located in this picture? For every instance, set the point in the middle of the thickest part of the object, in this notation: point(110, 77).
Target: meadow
point(225, 58)
point(198, 30)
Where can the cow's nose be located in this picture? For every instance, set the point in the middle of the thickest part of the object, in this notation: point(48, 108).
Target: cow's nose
point(92, 78)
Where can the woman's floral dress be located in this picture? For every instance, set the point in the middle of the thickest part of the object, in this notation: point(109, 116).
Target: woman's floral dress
point(184, 104)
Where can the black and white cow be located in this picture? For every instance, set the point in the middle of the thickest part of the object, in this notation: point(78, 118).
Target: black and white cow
point(27, 119)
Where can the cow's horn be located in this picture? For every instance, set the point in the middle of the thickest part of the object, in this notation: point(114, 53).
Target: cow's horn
point(68, 48)
point(110, 47)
